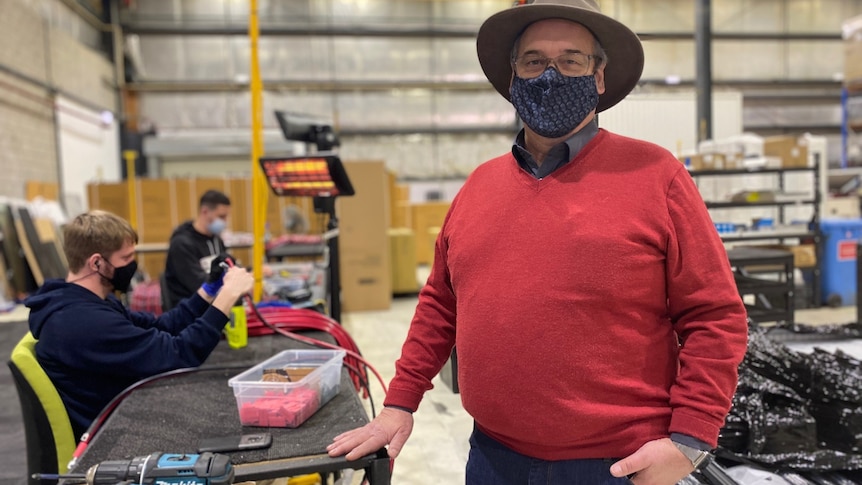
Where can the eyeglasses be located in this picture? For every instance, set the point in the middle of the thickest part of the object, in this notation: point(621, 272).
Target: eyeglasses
point(573, 64)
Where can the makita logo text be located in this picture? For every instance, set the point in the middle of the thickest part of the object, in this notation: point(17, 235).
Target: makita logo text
point(180, 482)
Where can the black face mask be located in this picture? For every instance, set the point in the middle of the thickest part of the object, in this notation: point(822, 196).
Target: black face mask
point(123, 275)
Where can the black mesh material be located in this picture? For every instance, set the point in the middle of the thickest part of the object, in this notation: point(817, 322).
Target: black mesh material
point(41, 448)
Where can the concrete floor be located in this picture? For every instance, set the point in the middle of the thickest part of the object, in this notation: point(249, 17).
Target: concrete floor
point(438, 447)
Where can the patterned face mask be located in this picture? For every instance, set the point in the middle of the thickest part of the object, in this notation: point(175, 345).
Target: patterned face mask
point(553, 105)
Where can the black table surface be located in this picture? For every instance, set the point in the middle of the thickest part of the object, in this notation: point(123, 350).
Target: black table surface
point(173, 414)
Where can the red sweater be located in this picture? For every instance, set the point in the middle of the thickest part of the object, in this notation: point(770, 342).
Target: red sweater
point(593, 310)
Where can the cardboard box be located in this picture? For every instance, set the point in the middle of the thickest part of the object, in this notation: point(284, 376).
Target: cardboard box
point(400, 203)
point(703, 161)
point(841, 207)
point(753, 196)
point(401, 214)
point(853, 62)
point(45, 190)
point(113, 197)
point(402, 248)
point(804, 255)
point(366, 276)
point(692, 161)
point(733, 161)
point(424, 217)
point(792, 151)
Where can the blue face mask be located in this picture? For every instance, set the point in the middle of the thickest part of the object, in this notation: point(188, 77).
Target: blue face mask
point(553, 105)
point(216, 226)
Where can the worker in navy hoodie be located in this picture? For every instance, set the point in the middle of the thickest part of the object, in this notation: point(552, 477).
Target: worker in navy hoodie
point(579, 276)
point(91, 346)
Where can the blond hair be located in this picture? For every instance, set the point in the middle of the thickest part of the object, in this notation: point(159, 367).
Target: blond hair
point(95, 232)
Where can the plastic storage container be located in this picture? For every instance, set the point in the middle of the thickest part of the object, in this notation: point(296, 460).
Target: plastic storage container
point(839, 260)
point(281, 404)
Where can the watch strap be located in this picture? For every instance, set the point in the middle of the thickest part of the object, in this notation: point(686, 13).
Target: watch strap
point(697, 457)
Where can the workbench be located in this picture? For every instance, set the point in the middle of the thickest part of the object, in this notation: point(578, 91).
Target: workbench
point(173, 414)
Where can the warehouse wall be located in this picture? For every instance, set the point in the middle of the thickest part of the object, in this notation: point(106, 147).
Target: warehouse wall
point(27, 144)
point(89, 144)
point(409, 124)
point(46, 49)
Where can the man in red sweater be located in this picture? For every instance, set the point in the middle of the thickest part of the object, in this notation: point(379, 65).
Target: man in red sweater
point(597, 322)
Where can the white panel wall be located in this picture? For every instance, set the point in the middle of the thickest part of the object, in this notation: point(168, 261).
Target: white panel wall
point(89, 152)
point(669, 119)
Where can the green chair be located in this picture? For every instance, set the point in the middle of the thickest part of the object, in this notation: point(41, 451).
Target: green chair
point(47, 429)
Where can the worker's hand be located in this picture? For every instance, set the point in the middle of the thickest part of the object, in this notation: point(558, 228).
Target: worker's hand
point(215, 278)
point(657, 462)
point(391, 427)
point(266, 271)
point(237, 282)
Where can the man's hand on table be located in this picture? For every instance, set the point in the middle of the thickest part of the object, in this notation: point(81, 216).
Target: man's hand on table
point(391, 427)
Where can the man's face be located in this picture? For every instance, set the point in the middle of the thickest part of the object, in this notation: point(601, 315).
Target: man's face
point(554, 37)
point(117, 259)
point(221, 211)
point(122, 256)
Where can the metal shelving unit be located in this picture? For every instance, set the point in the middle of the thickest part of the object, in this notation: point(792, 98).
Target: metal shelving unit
point(851, 124)
point(766, 277)
point(781, 233)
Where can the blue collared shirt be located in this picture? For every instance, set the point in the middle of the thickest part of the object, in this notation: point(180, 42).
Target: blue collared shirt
point(558, 156)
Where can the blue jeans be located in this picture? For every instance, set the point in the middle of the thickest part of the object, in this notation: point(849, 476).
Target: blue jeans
point(491, 463)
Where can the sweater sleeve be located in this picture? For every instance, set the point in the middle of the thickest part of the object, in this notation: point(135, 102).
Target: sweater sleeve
point(175, 320)
point(135, 350)
point(431, 335)
point(707, 313)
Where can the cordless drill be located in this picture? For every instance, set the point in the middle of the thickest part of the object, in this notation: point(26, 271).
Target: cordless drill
point(159, 469)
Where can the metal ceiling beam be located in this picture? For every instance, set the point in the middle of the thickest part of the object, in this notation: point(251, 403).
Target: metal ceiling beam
point(703, 68)
point(304, 85)
point(779, 36)
point(478, 85)
point(87, 15)
point(186, 29)
point(430, 130)
point(417, 30)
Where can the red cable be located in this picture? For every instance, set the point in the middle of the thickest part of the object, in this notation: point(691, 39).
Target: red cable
point(318, 343)
point(331, 326)
point(300, 319)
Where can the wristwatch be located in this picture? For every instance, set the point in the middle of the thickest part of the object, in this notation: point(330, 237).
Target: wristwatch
point(696, 456)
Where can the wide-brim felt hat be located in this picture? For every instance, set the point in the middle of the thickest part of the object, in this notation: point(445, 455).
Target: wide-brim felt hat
point(622, 46)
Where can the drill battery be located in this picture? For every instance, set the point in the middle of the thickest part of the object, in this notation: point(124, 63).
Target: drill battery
point(164, 469)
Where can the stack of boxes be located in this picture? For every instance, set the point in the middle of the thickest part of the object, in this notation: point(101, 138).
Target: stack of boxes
point(852, 144)
point(749, 152)
point(402, 240)
point(852, 34)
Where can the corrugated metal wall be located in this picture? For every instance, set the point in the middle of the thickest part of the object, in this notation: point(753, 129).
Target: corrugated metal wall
point(376, 88)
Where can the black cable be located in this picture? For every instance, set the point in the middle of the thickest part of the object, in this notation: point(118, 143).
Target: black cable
point(363, 383)
point(103, 415)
